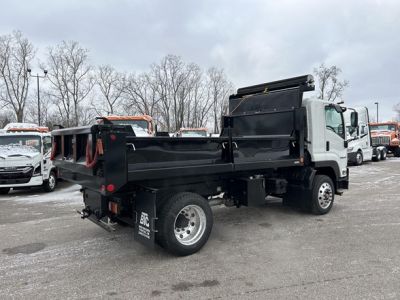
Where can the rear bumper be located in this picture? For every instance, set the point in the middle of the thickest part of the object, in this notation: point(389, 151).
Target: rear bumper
point(34, 181)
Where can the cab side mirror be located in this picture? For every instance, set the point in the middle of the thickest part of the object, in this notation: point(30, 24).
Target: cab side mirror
point(354, 119)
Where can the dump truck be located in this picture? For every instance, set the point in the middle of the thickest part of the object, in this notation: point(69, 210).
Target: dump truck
point(273, 143)
point(386, 134)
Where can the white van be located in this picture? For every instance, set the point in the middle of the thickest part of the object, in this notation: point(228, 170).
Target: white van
point(25, 151)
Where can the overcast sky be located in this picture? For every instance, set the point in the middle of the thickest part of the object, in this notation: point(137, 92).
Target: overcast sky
point(254, 41)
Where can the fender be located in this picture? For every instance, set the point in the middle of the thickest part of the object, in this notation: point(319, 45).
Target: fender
point(331, 168)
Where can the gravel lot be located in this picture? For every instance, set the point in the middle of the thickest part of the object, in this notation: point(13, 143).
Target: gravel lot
point(48, 252)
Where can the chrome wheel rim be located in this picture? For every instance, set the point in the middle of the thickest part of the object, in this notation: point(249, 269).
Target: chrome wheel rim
point(325, 195)
point(189, 225)
point(52, 182)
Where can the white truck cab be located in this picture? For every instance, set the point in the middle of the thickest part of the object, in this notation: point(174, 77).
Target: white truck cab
point(326, 138)
point(359, 138)
point(25, 151)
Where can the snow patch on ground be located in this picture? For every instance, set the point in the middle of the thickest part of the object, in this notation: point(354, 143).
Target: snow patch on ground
point(65, 193)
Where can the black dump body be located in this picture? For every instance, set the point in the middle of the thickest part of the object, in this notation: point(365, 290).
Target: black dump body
point(264, 129)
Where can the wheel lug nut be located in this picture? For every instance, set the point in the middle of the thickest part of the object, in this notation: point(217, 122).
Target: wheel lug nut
point(192, 223)
point(188, 231)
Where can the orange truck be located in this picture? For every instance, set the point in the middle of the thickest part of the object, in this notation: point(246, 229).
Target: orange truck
point(142, 125)
point(192, 132)
point(386, 134)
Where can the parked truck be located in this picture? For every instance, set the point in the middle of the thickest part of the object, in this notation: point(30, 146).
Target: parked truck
point(386, 135)
point(272, 143)
point(25, 158)
point(360, 146)
point(142, 125)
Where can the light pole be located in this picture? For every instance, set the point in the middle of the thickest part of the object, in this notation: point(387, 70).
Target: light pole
point(38, 92)
point(377, 112)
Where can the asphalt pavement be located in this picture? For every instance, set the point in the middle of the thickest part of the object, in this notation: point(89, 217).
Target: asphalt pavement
point(271, 252)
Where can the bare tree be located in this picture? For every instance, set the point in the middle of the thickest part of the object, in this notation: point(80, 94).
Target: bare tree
point(87, 115)
point(5, 118)
point(71, 79)
point(219, 89)
point(141, 96)
point(174, 82)
point(32, 108)
point(330, 87)
point(111, 85)
point(16, 54)
point(199, 104)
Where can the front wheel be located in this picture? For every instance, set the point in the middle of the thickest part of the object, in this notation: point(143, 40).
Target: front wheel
point(383, 154)
point(184, 224)
point(322, 195)
point(50, 184)
point(359, 158)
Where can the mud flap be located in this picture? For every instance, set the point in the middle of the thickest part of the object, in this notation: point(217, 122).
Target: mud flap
point(145, 210)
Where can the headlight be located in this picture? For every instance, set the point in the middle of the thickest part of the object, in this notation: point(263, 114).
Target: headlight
point(37, 171)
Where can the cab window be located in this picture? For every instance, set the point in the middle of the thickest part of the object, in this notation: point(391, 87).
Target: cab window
point(334, 121)
point(46, 144)
point(363, 129)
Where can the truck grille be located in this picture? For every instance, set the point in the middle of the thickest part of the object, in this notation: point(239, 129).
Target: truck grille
point(14, 175)
point(380, 140)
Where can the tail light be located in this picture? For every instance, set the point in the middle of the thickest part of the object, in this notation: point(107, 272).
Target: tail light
point(110, 188)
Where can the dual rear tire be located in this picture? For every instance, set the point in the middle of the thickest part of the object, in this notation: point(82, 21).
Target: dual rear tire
point(381, 154)
point(184, 224)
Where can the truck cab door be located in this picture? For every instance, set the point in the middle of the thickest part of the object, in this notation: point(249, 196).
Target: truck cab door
point(46, 152)
point(335, 137)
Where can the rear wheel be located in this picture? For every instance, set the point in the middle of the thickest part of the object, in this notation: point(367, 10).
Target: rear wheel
point(359, 158)
point(378, 156)
point(184, 224)
point(50, 184)
point(4, 191)
point(383, 154)
point(322, 195)
point(397, 152)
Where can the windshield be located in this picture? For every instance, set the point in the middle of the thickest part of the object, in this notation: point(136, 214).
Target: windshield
point(192, 133)
point(386, 127)
point(19, 145)
point(134, 123)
